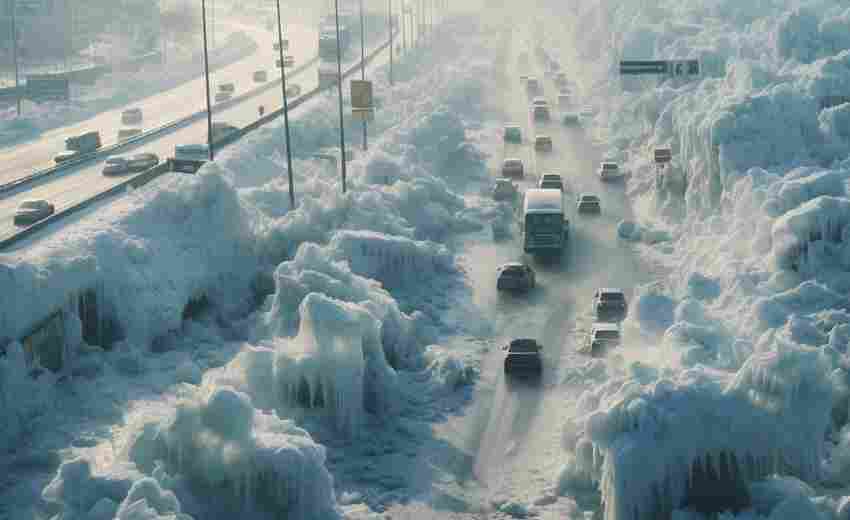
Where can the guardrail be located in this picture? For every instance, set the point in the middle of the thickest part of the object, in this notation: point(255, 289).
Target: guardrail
point(149, 175)
point(108, 150)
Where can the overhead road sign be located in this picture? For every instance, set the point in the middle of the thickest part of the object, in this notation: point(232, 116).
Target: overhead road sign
point(663, 155)
point(677, 68)
point(41, 87)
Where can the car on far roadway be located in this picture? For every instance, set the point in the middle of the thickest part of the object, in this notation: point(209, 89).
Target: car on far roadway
point(512, 167)
point(602, 338)
point(513, 133)
point(33, 210)
point(570, 119)
point(539, 101)
point(609, 171)
point(540, 113)
point(523, 357)
point(116, 166)
point(551, 181)
point(515, 276)
point(143, 161)
point(64, 156)
point(505, 190)
point(293, 90)
point(609, 304)
point(261, 76)
point(543, 143)
point(132, 116)
point(221, 97)
point(127, 133)
point(523, 77)
point(587, 203)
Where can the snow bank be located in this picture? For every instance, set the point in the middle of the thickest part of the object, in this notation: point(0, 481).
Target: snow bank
point(238, 459)
point(702, 437)
point(25, 394)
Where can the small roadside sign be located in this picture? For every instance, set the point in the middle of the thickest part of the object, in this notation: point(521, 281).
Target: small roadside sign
point(362, 104)
point(631, 67)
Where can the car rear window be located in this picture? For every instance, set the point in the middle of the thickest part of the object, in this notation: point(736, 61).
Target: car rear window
point(609, 166)
point(613, 296)
point(513, 163)
point(524, 347)
point(607, 334)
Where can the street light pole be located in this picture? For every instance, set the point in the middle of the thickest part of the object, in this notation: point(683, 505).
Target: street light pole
point(363, 69)
point(339, 92)
point(285, 112)
point(207, 78)
point(404, 25)
point(15, 55)
point(390, 23)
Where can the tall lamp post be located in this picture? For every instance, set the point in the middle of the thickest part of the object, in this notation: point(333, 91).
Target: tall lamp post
point(15, 54)
point(390, 23)
point(363, 68)
point(207, 79)
point(339, 93)
point(285, 111)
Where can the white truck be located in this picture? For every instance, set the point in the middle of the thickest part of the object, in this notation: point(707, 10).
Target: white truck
point(188, 158)
point(545, 228)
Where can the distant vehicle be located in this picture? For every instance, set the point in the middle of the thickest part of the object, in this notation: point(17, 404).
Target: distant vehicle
point(223, 96)
point(513, 133)
point(230, 88)
point(127, 133)
point(515, 276)
point(505, 190)
point(602, 338)
point(609, 171)
point(328, 75)
point(188, 158)
point(551, 181)
point(545, 228)
point(543, 143)
point(532, 86)
point(523, 357)
point(143, 161)
point(523, 78)
point(132, 116)
point(513, 167)
point(610, 304)
point(33, 210)
point(221, 130)
point(288, 61)
point(588, 112)
point(293, 90)
point(540, 101)
point(541, 113)
point(261, 110)
point(116, 166)
point(563, 100)
point(561, 79)
point(67, 155)
point(588, 204)
point(85, 143)
point(261, 76)
point(285, 45)
point(570, 119)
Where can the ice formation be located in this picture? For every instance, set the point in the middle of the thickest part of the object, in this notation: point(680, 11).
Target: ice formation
point(244, 459)
point(696, 441)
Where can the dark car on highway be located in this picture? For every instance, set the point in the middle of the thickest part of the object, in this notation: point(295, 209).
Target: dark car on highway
point(523, 357)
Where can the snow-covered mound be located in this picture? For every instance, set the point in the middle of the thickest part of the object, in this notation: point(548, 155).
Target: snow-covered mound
point(695, 441)
point(219, 447)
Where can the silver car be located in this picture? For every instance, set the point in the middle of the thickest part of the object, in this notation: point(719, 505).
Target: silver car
point(602, 338)
point(588, 204)
point(31, 211)
point(513, 167)
point(116, 166)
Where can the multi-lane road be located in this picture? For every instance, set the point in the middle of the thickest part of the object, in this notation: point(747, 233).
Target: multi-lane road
point(78, 183)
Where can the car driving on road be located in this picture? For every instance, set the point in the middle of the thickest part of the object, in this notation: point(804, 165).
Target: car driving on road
point(602, 338)
point(505, 190)
point(587, 203)
point(551, 181)
point(513, 167)
point(570, 119)
point(523, 357)
point(609, 171)
point(515, 276)
point(143, 161)
point(65, 156)
point(512, 133)
point(543, 143)
point(127, 133)
point(33, 210)
point(132, 116)
point(540, 113)
point(610, 304)
point(116, 166)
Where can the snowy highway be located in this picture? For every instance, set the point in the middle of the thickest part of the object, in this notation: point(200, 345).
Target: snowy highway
point(79, 183)
point(23, 159)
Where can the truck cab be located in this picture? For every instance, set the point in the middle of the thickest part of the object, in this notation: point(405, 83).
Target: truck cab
point(545, 228)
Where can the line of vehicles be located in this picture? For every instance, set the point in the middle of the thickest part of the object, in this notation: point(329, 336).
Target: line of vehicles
point(544, 225)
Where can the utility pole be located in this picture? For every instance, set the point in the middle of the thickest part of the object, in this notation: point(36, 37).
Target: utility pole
point(390, 23)
point(207, 78)
point(15, 55)
point(403, 25)
point(363, 69)
point(339, 92)
point(285, 112)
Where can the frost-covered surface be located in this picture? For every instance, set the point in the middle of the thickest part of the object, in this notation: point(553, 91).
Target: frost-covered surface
point(241, 324)
point(752, 217)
